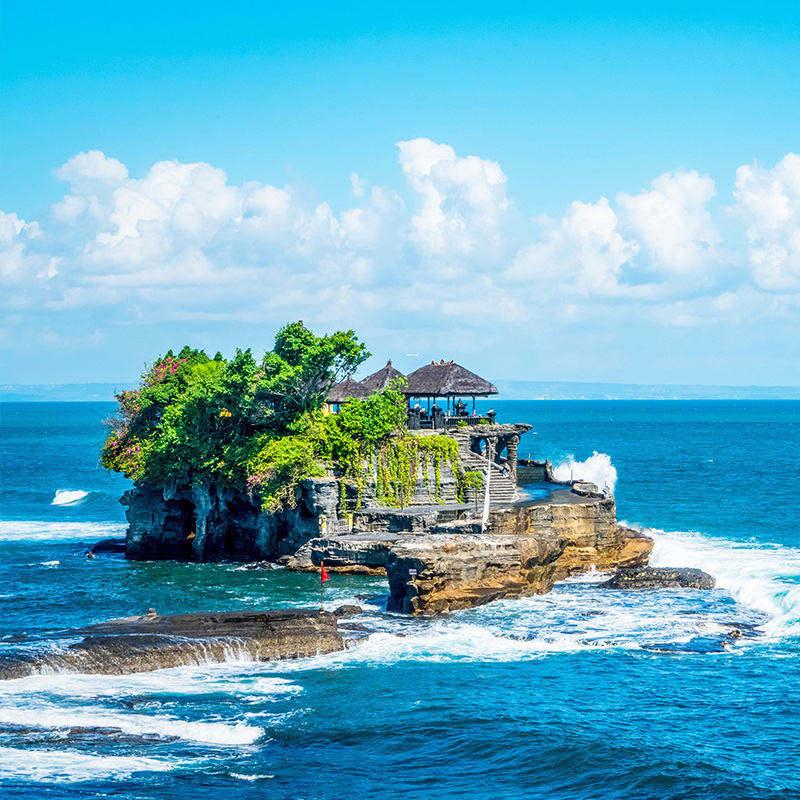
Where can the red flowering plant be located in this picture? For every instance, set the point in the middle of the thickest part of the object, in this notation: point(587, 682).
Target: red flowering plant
point(236, 422)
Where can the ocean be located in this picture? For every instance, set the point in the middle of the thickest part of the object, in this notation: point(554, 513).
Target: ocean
point(582, 693)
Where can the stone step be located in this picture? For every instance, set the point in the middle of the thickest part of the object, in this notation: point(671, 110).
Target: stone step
point(501, 489)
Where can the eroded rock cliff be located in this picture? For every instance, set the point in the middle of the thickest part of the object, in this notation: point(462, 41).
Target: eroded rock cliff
point(440, 572)
point(206, 524)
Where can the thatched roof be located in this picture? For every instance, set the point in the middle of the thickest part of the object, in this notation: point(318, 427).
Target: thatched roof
point(446, 379)
point(347, 390)
point(378, 381)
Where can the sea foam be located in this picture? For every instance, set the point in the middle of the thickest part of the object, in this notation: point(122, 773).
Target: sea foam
point(38, 530)
point(765, 577)
point(52, 717)
point(67, 766)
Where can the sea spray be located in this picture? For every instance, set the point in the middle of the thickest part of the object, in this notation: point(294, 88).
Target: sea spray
point(597, 469)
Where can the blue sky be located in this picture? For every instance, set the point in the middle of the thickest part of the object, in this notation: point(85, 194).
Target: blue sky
point(453, 179)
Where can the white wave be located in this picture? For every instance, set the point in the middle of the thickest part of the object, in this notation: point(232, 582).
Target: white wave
point(65, 497)
point(49, 563)
point(40, 530)
point(232, 679)
point(765, 577)
point(49, 716)
point(251, 777)
point(597, 469)
point(66, 766)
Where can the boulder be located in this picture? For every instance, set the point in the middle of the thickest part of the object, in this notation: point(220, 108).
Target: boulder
point(660, 578)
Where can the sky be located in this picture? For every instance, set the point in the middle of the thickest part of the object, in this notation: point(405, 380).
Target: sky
point(588, 192)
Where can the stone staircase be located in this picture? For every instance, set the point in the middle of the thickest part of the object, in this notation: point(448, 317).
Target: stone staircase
point(501, 488)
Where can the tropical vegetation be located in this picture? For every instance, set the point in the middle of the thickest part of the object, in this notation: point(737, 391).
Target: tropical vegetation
point(258, 425)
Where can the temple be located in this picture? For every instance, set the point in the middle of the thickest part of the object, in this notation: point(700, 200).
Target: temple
point(447, 383)
point(436, 395)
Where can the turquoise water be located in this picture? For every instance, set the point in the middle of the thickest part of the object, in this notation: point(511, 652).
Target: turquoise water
point(582, 693)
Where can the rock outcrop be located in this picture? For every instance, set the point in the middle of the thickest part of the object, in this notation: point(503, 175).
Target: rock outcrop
point(660, 578)
point(155, 641)
point(594, 539)
point(204, 524)
point(352, 554)
point(437, 556)
point(439, 573)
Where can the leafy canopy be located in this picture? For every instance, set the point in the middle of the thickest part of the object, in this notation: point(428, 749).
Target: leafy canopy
point(194, 419)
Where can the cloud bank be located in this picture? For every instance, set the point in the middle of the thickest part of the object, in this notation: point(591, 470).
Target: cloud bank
point(183, 244)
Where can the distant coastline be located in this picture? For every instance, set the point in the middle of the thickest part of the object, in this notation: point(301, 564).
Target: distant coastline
point(509, 390)
point(554, 390)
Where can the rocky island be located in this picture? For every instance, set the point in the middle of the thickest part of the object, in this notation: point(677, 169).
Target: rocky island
point(290, 460)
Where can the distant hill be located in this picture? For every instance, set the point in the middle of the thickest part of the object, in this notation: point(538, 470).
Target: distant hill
point(61, 392)
point(544, 390)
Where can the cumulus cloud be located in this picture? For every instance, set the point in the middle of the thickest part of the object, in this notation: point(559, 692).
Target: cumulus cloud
point(659, 243)
point(182, 243)
point(672, 224)
point(459, 200)
point(768, 201)
point(19, 265)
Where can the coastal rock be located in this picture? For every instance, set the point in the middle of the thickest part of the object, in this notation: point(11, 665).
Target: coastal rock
point(347, 611)
point(206, 524)
point(108, 546)
point(155, 641)
point(353, 554)
point(660, 578)
point(439, 573)
point(525, 548)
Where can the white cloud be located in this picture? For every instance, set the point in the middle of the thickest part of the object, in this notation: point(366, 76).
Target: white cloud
point(659, 243)
point(183, 244)
point(460, 200)
point(672, 224)
point(17, 264)
point(85, 169)
point(768, 201)
point(358, 185)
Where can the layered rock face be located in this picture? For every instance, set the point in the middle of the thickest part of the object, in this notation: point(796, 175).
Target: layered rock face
point(594, 539)
point(440, 572)
point(154, 641)
point(444, 566)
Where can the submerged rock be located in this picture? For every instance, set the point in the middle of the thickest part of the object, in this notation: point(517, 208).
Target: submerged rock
point(108, 546)
point(156, 641)
point(660, 578)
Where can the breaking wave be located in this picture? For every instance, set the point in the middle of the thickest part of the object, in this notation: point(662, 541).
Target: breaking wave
point(765, 577)
point(65, 497)
point(60, 766)
point(597, 469)
point(50, 716)
point(35, 530)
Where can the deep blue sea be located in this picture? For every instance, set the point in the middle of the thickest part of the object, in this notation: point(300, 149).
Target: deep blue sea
point(582, 693)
